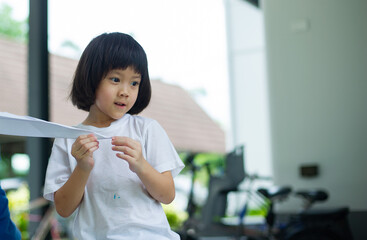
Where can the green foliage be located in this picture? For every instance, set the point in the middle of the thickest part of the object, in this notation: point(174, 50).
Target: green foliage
point(260, 210)
point(207, 163)
point(5, 167)
point(11, 28)
point(18, 201)
point(175, 218)
point(71, 45)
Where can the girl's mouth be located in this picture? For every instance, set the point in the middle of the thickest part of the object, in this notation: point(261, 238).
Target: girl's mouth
point(120, 104)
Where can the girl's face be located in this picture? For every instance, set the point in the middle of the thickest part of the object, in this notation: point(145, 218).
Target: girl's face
point(115, 95)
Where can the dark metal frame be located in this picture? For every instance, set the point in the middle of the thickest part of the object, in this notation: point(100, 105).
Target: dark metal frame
point(38, 149)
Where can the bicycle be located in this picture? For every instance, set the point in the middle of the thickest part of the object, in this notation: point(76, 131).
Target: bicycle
point(308, 224)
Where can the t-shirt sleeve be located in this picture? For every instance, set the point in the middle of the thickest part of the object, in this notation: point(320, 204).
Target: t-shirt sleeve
point(160, 152)
point(58, 169)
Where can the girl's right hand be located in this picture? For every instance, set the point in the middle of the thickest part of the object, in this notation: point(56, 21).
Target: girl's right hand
point(82, 150)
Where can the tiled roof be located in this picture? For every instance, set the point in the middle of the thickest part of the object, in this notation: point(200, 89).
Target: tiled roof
point(187, 125)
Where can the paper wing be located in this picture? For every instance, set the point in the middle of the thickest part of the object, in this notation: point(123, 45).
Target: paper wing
point(11, 124)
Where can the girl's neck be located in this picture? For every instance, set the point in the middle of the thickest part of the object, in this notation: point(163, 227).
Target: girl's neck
point(97, 124)
point(96, 121)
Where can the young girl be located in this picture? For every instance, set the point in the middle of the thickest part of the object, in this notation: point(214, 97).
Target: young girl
point(117, 186)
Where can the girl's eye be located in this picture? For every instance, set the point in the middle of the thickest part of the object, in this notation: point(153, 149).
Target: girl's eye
point(135, 83)
point(115, 80)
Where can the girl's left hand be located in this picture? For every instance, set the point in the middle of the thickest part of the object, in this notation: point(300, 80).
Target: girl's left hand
point(130, 151)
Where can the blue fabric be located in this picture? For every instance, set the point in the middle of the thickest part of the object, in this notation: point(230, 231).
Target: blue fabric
point(8, 231)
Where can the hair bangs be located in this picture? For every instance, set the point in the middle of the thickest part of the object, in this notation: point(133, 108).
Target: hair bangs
point(126, 54)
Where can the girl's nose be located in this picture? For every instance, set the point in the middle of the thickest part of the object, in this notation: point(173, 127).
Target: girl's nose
point(123, 92)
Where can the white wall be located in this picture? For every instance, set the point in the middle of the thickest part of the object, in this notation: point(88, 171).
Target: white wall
point(248, 90)
point(317, 77)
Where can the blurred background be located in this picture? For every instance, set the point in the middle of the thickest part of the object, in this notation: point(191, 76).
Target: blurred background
point(286, 79)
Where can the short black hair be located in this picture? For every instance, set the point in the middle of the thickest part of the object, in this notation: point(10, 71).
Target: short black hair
point(104, 53)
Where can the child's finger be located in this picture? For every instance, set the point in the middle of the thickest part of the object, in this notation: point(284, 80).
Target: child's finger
point(125, 157)
point(124, 141)
point(87, 147)
point(83, 143)
point(93, 148)
point(119, 141)
point(84, 138)
point(120, 148)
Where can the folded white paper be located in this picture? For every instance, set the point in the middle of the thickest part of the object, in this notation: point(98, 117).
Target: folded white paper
point(15, 125)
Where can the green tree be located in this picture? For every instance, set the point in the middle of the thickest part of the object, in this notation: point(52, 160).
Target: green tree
point(11, 28)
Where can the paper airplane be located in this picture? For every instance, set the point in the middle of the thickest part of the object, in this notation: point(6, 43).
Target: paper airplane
point(26, 126)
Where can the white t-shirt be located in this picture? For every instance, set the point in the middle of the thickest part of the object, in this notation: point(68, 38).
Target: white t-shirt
point(116, 204)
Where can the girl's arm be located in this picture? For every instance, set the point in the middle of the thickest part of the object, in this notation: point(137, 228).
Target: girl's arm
point(69, 196)
point(159, 185)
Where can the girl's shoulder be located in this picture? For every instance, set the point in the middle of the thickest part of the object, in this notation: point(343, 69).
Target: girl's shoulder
point(142, 121)
point(143, 126)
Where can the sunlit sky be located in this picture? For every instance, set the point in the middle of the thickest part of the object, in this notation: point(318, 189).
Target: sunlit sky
point(185, 41)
